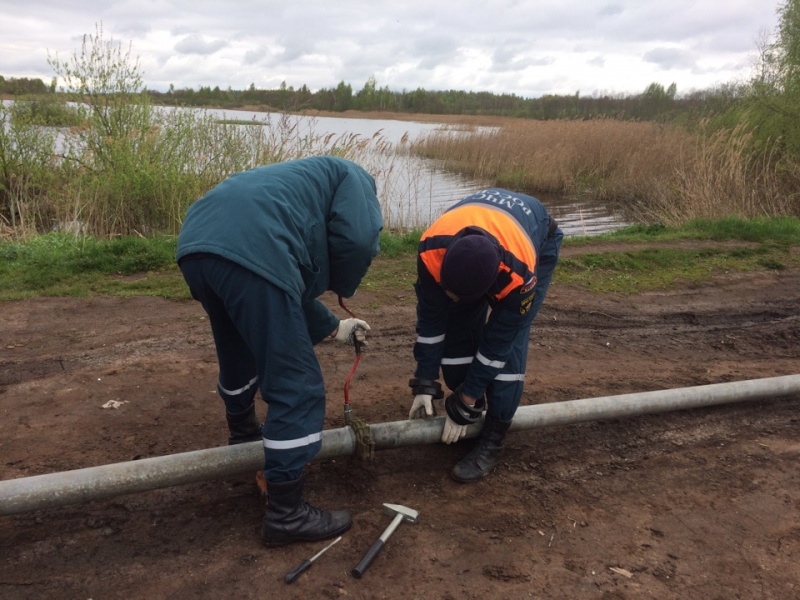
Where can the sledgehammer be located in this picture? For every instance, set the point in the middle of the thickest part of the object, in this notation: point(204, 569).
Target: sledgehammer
point(400, 514)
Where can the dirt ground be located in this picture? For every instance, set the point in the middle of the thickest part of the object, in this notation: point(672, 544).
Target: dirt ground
point(701, 503)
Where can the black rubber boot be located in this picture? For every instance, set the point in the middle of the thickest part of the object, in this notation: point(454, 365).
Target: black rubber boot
point(290, 519)
point(485, 455)
point(244, 426)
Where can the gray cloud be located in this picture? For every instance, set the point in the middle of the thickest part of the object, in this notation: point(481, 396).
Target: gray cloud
point(432, 51)
point(196, 44)
point(526, 47)
point(597, 61)
point(670, 58)
point(255, 56)
point(610, 10)
point(518, 57)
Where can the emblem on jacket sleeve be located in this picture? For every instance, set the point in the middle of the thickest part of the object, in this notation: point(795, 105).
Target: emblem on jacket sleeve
point(526, 304)
point(528, 286)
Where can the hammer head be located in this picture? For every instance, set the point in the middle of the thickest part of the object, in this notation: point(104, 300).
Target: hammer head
point(409, 514)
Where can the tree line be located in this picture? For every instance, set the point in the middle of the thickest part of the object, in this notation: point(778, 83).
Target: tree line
point(655, 103)
point(22, 86)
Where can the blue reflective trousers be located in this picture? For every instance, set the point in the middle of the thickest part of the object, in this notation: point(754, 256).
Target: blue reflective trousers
point(262, 343)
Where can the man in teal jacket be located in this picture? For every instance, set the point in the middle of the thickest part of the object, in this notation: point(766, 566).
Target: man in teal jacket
point(257, 251)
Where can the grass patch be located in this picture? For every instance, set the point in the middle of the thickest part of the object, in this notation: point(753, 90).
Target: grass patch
point(774, 230)
point(778, 230)
point(392, 279)
point(59, 264)
point(394, 244)
point(636, 271)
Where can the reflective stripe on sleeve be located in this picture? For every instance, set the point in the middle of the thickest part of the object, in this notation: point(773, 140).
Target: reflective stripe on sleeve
point(497, 364)
point(510, 377)
point(430, 340)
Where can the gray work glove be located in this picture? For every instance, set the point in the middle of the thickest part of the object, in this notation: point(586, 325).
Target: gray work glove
point(452, 431)
point(461, 412)
point(351, 331)
point(422, 407)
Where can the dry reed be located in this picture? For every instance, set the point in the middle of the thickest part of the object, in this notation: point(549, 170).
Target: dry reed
point(721, 176)
point(654, 172)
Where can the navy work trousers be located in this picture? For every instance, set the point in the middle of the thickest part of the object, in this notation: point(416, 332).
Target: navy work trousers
point(262, 340)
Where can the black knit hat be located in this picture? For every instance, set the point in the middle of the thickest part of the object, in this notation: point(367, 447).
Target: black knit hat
point(470, 266)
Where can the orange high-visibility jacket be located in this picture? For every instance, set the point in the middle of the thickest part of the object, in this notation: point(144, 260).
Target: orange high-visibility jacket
point(519, 225)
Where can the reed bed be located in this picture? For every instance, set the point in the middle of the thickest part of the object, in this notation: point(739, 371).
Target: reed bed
point(653, 172)
point(721, 175)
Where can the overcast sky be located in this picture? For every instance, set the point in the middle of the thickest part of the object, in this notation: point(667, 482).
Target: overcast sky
point(525, 47)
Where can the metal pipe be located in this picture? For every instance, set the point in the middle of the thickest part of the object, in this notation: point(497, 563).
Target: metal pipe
point(95, 483)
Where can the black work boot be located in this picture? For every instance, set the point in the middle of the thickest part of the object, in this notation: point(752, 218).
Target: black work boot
point(485, 455)
point(243, 426)
point(290, 519)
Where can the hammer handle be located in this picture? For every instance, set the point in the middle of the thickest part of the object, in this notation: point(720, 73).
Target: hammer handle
point(365, 562)
point(359, 569)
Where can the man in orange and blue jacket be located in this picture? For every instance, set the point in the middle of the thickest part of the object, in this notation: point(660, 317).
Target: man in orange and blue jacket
point(483, 271)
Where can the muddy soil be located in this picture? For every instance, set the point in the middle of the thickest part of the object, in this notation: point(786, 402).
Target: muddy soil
point(700, 503)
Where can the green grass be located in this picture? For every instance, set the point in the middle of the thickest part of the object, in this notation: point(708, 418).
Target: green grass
point(66, 265)
point(777, 230)
point(768, 247)
point(395, 244)
point(60, 264)
point(649, 269)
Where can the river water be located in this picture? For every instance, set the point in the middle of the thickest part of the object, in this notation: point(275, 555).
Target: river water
point(415, 191)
